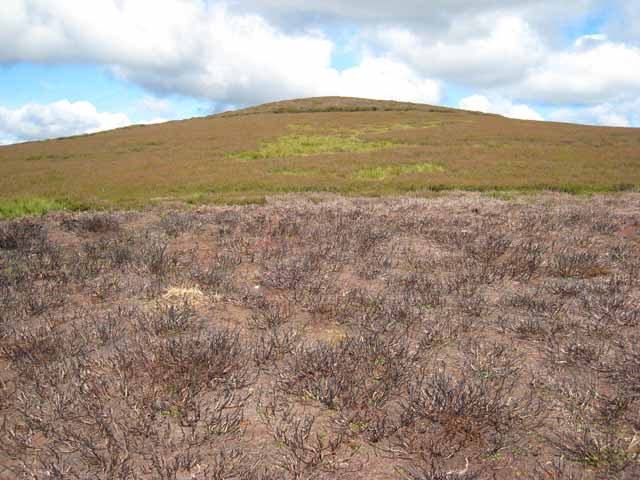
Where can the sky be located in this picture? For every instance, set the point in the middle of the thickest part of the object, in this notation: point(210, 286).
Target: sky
point(78, 66)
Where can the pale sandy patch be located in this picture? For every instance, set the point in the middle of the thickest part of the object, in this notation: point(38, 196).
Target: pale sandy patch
point(192, 296)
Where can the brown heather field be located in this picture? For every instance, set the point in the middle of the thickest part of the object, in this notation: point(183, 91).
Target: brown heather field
point(457, 337)
point(340, 145)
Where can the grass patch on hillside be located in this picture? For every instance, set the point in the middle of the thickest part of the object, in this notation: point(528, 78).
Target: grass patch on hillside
point(303, 145)
point(382, 173)
point(396, 127)
point(21, 207)
point(293, 171)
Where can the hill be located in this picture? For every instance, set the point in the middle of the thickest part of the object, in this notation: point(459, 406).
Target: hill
point(342, 145)
point(317, 336)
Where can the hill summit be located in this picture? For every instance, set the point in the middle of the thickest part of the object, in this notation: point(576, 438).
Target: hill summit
point(337, 104)
point(346, 146)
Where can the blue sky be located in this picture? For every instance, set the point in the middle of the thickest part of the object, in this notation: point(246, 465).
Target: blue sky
point(70, 66)
point(23, 83)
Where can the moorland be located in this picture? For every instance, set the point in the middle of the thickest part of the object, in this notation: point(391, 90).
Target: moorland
point(336, 145)
point(322, 289)
point(459, 337)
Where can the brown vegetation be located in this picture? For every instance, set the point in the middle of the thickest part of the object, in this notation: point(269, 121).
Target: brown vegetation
point(340, 145)
point(463, 337)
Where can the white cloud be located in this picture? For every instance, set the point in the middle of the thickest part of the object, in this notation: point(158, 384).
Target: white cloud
point(624, 114)
point(196, 49)
point(383, 79)
point(417, 13)
point(63, 118)
point(588, 74)
point(586, 40)
point(182, 46)
point(507, 56)
point(155, 121)
point(482, 50)
point(155, 105)
point(501, 106)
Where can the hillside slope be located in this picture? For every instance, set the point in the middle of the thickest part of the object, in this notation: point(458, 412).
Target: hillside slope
point(343, 145)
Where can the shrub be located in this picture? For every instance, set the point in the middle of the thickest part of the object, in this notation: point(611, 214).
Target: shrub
point(92, 223)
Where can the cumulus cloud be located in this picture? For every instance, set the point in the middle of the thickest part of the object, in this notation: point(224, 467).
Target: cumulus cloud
point(419, 14)
point(58, 119)
point(623, 114)
point(197, 49)
point(501, 106)
point(509, 53)
point(595, 71)
point(586, 40)
point(183, 46)
point(383, 79)
point(483, 50)
point(506, 54)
